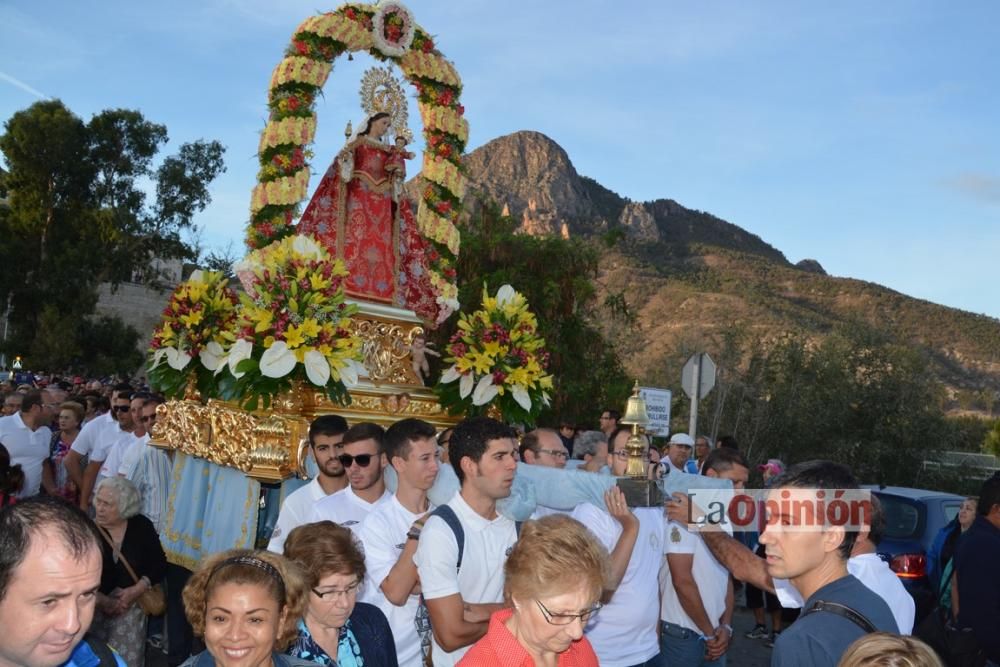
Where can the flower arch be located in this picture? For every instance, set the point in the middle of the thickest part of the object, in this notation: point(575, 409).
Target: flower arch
point(388, 32)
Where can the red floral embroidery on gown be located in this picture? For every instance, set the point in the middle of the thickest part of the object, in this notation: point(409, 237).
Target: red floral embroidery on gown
point(363, 215)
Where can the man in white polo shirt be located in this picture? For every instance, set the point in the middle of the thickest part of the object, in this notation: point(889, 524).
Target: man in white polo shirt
point(27, 438)
point(390, 535)
point(697, 599)
point(624, 632)
point(325, 435)
point(363, 458)
point(463, 585)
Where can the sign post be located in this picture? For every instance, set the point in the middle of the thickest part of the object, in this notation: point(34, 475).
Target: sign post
point(697, 379)
point(658, 409)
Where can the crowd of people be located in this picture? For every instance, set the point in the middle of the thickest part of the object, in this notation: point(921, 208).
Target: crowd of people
point(363, 569)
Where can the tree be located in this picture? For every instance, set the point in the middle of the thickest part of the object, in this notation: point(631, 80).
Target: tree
point(77, 215)
point(556, 276)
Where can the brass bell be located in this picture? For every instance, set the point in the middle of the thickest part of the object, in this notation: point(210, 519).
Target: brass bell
point(635, 409)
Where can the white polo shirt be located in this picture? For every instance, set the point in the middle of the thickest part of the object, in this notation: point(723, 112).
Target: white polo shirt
point(295, 512)
point(28, 449)
point(113, 454)
point(384, 535)
point(93, 432)
point(624, 632)
point(875, 574)
point(345, 508)
point(480, 579)
point(131, 455)
point(711, 578)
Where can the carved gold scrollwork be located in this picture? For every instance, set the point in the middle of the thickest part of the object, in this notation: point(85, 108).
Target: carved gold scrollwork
point(386, 349)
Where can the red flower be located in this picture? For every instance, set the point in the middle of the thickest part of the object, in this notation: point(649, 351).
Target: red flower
point(350, 14)
point(445, 97)
point(443, 206)
point(428, 45)
point(293, 103)
point(461, 110)
point(301, 47)
point(499, 377)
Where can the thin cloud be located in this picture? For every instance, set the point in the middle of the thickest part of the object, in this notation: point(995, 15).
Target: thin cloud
point(23, 86)
point(981, 187)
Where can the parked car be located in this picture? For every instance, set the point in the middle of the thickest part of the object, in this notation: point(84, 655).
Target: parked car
point(913, 518)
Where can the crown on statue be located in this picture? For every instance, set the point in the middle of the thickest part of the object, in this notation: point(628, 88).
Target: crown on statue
point(381, 92)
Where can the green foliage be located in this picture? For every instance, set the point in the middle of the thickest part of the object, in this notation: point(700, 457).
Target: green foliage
point(557, 278)
point(991, 443)
point(854, 396)
point(77, 216)
point(107, 346)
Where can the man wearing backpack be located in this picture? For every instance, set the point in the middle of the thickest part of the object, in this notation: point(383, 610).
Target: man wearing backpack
point(50, 570)
point(804, 546)
point(464, 543)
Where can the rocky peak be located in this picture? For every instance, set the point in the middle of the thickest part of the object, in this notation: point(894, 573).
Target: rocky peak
point(532, 177)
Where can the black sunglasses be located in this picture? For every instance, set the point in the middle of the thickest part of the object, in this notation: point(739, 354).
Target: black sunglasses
point(362, 460)
point(122, 408)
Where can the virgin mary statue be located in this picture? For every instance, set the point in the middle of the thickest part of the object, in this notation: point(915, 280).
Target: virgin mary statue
point(361, 215)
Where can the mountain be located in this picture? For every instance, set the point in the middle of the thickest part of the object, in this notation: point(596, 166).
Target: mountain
point(686, 275)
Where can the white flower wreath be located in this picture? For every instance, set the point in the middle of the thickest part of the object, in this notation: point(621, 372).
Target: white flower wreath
point(399, 48)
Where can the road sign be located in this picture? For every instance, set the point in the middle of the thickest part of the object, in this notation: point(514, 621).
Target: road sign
point(704, 377)
point(658, 409)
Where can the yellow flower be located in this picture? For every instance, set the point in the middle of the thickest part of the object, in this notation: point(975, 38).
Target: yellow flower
point(492, 348)
point(192, 319)
point(480, 362)
point(294, 337)
point(264, 318)
point(310, 327)
point(318, 282)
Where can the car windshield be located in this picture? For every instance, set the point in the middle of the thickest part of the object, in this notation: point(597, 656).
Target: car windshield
point(901, 518)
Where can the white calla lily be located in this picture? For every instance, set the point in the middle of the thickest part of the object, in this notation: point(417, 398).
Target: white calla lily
point(317, 368)
point(349, 373)
point(240, 350)
point(177, 359)
point(450, 375)
point(505, 295)
point(520, 395)
point(197, 276)
point(277, 360)
point(485, 391)
point(465, 385)
point(212, 356)
point(306, 247)
point(158, 357)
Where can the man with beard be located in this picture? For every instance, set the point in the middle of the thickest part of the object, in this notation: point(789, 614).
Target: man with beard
point(463, 585)
point(326, 434)
point(363, 457)
point(390, 535)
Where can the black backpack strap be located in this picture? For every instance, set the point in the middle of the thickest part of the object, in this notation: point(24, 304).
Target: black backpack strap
point(518, 525)
point(102, 651)
point(448, 515)
point(843, 610)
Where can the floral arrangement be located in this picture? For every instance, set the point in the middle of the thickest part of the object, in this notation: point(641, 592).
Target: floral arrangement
point(293, 325)
point(195, 320)
point(392, 28)
point(388, 32)
point(498, 358)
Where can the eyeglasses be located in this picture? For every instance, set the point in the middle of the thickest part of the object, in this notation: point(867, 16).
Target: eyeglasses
point(334, 594)
point(558, 453)
point(566, 619)
point(122, 408)
point(362, 460)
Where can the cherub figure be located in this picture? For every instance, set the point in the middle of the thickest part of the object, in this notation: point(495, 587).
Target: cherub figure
point(419, 349)
point(397, 165)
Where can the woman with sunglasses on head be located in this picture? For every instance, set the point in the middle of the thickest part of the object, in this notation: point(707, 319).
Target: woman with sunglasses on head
point(246, 604)
point(336, 629)
point(554, 578)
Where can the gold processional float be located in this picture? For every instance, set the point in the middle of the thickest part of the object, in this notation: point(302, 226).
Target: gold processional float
point(335, 304)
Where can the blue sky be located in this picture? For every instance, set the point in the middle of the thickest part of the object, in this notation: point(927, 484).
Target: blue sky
point(863, 135)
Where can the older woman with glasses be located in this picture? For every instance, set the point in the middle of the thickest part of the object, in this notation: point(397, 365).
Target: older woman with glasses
point(554, 577)
point(336, 629)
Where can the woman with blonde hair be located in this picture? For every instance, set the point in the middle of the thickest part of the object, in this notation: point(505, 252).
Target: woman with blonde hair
point(246, 605)
point(555, 576)
point(881, 649)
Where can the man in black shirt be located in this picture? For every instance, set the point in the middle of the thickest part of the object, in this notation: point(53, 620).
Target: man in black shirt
point(977, 572)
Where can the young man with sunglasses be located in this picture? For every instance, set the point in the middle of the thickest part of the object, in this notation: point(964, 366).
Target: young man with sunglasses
point(463, 585)
point(326, 435)
point(364, 459)
point(390, 535)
